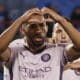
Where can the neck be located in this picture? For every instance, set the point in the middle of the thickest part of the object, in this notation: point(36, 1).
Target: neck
point(35, 48)
point(32, 47)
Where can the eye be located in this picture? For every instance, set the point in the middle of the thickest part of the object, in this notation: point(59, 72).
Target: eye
point(33, 26)
point(46, 16)
point(42, 24)
point(59, 31)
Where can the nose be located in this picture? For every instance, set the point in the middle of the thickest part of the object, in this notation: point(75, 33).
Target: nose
point(63, 36)
point(38, 29)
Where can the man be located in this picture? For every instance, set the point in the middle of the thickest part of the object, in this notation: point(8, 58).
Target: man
point(60, 35)
point(31, 58)
point(71, 69)
point(50, 24)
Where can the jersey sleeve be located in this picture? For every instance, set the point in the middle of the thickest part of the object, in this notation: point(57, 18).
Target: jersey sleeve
point(14, 48)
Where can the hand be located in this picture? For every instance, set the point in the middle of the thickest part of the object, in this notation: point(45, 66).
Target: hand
point(52, 13)
point(47, 14)
point(74, 66)
point(67, 66)
point(45, 10)
point(29, 13)
point(48, 11)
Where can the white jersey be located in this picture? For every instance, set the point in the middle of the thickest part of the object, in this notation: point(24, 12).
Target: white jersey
point(71, 75)
point(46, 65)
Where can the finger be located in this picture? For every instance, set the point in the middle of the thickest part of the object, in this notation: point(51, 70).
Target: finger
point(35, 9)
point(29, 13)
point(44, 8)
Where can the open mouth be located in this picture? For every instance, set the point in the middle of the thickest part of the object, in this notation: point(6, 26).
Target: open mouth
point(38, 38)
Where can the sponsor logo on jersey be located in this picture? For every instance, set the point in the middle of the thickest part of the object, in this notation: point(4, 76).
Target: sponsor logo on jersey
point(34, 73)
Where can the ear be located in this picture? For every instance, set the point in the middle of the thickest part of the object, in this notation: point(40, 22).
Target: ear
point(22, 31)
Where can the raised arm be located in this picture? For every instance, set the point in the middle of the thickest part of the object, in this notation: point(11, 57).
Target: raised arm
point(68, 27)
point(7, 36)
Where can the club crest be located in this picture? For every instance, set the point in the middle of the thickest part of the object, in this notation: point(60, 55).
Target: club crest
point(45, 57)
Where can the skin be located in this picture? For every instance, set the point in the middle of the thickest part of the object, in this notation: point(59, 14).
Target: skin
point(35, 32)
point(37, 35)
point(34, 29)
point(73, 65)
point(9, 34)
point(60, 35)
point(73, 33)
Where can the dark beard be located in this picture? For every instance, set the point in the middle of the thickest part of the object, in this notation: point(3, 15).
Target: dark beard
point(33, 43)
point(38, 43)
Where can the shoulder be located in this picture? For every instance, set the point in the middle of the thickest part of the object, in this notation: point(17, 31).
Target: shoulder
point(17, 42)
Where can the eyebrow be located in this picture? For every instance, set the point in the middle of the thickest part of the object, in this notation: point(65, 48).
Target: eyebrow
point(59, 30)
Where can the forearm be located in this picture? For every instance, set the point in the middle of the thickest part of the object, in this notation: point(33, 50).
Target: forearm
point(69, 28)
point(73, 33)
point(7, 36)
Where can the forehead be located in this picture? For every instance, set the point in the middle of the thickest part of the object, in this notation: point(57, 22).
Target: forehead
point(36, 18)
point(58, 27)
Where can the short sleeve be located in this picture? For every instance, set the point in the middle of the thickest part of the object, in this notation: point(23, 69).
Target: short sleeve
point(15, 46)
point(13, 50)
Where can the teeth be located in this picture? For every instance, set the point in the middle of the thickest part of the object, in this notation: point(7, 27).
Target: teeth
point(38, 39)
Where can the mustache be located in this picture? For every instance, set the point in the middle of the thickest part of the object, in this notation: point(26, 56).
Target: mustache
point(39, 34)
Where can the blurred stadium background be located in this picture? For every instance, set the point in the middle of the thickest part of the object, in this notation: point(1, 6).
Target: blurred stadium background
point(18, 7)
